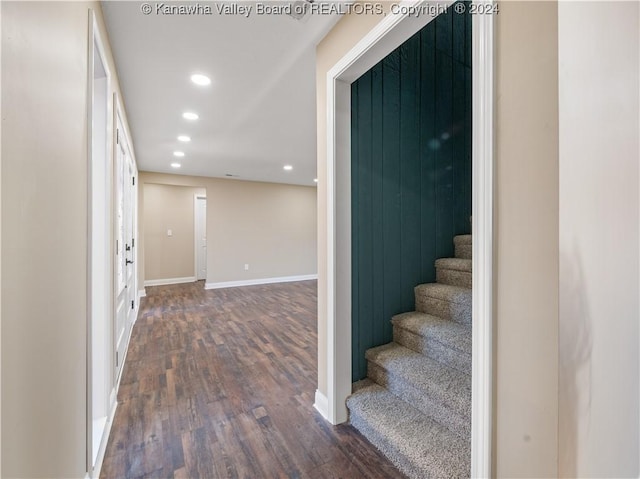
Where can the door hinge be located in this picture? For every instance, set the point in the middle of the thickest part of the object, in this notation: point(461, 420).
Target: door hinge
point(132, 304)
point(117, 136)
point(116, 358)
point(134, 180)
point(133, 242)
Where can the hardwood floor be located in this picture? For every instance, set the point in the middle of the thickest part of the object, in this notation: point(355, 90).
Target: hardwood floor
point(221, 383)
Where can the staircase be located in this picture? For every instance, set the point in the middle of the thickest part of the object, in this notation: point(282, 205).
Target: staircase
point(415, 405)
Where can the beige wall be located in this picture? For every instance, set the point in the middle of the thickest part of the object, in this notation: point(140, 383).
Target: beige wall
point(1, 150)
point(599, 271)
point(526, 282)
point(269, 226)
point(169, 207)
point(44, 236)
point(526, 240)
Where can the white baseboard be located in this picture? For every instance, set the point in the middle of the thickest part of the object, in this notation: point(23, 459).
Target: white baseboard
point(142, 293)
point(162, 282)
point(252, 282)
point(322, 404)
point(95, 473)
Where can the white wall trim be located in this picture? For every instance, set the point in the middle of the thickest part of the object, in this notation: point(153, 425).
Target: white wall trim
point(252, 282)
point(321, 404)
point(162, 282)
point(392, 31)
point(482, 254)
point(142, 293)
point(95, 474)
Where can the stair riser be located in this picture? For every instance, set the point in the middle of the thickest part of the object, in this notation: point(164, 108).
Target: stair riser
point(453, 277)
point(459, 312)
point(464, 251)
point(435, 350)
point(458, 422)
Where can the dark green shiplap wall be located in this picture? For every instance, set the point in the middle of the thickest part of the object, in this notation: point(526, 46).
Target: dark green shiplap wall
point(411, 173)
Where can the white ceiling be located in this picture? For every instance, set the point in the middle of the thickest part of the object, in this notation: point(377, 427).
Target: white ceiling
point(257, 115)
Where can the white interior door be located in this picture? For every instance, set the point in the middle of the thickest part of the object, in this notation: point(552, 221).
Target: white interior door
point(125, 244)
point(130, 242)
point(201, 237)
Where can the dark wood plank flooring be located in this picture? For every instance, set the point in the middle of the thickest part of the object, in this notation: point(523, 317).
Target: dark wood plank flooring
point(221, 383)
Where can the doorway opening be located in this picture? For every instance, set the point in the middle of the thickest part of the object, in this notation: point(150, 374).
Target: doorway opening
point(100, 271)
point(173, 219)
point(394, 30)
point(200, 235)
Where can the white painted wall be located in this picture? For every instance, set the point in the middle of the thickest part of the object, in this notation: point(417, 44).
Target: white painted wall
point(599, 83)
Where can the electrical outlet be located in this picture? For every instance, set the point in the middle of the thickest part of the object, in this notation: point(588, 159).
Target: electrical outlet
point(169, 233)
point(246, 267)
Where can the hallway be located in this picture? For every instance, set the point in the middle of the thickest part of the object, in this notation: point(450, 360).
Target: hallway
point(220, 383)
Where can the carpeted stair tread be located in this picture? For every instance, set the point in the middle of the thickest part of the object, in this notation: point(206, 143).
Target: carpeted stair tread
point(441, 392)
point(363, 383)
point(462, 240)
point(456, 264)
point(454, 271)
point(463, 246)
point(445, 292)
point(445, 301)
point(418, 446)
point(445, 341)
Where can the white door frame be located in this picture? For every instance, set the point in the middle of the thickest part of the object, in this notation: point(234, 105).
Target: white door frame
point(98, 326)
point(391, 32)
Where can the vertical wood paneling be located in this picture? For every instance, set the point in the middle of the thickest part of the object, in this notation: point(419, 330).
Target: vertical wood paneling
point(377, 201)
point(468, 149)
point(428, 144)
point(457, 142)
point(355, 232)
point(444, 157)
point(467, 36)
point(409, 169)
point(443, 25)
point(458, 37)
point(411, 173)
point(364, 246)
point(391, 231)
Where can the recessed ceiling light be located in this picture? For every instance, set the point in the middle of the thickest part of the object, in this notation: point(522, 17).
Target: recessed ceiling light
point(184, 138)
point(189, 115)
point(201, 80)
point(315, 180)
point(178, 153)
point(175, 165)
point(288, 167)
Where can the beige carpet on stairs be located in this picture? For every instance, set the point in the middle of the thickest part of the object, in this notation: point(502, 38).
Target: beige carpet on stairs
point(415, 405)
